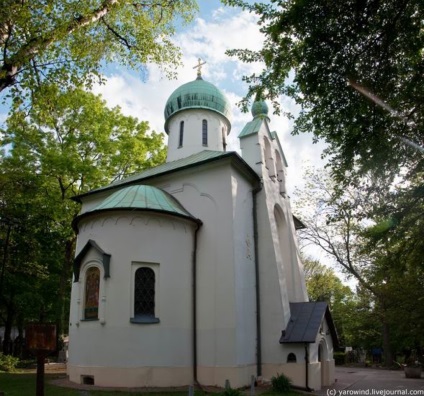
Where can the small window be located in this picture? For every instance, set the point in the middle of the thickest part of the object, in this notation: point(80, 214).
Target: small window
point(291, 358)
point(144, 296)
point(205, 132)
point(224, 141)
point(181, 137)
point(92, 288)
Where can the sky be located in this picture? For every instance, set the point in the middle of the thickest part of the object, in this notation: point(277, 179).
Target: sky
point(215, 29)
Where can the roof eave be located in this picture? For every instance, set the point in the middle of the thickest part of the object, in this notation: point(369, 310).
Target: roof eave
point(238, 160)
point(150, 210)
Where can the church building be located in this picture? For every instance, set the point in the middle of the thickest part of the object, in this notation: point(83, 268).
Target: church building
point(189, 272)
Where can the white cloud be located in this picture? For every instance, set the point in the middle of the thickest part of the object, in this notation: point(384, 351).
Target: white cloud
point(208, 39)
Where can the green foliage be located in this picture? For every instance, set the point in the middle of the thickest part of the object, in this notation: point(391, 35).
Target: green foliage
point(385, 257)
point(66, 42)
point(67, 143)
point(339, 358)
point(324, 285)
point(8, 363)
point(281, 383)
point(376, 44)
point(231, 392)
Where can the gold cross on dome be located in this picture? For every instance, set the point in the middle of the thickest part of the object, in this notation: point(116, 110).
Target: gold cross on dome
point(199, 67)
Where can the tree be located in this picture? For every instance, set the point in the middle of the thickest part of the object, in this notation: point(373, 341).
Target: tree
point(323, 284)
point(376, 45)
point(23, 242)
point(369, 234)
point(68, 143)
point(66, 42)
point(396, 247)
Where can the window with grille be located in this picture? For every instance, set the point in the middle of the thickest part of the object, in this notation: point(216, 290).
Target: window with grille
point(144, 296)
point(205, 132)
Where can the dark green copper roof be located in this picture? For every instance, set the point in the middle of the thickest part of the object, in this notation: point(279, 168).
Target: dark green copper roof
point(197, 94)
point(141, 197)
point(259, 108)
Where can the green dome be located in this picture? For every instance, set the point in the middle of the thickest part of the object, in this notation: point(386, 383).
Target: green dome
point(197, 94)
point(259, 108)
point(141, 197)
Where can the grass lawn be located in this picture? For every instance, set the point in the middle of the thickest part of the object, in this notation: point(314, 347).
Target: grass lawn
point(23, 384)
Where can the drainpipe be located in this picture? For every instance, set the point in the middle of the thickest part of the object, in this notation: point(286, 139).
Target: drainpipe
point(194, 302)
point(257, 289)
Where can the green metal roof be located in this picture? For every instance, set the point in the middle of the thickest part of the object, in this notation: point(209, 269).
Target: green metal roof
point(259, 113)
point(197, 159)
point(259, 108)
point(197, 94)
point(141, 197)
point(251, 127)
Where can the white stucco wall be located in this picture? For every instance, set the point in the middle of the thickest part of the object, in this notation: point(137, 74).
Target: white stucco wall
point(321, 358)
point(134, 239)
point(192, 140)
point(221, 197)
point(281, 272)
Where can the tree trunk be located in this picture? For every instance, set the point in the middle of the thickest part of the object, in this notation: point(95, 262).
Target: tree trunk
point(388, 356)
point(61, 321)
point(8, 325)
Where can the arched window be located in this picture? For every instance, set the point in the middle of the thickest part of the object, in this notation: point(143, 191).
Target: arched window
point(92, 289)
point(291, 358)
point(205, 132)
point(224, 140)
point(181, 136)
point(144, 293)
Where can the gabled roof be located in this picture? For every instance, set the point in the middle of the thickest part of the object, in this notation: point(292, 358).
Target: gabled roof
point(204, 157)
point(298, 224)
point(81, 255)
point(305, 323)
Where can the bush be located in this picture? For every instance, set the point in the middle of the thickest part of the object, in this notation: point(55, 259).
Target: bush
point(339, 358)
point(8, 363)
point(25, 364)
point(231, 392)
point(281, 383)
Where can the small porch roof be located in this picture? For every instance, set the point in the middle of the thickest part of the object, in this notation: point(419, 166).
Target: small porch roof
point(305, 323)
